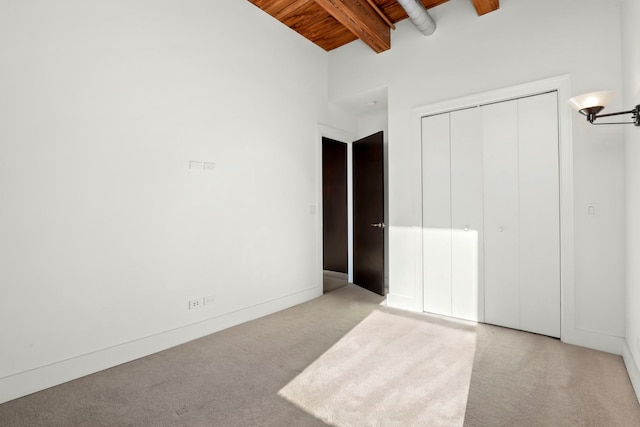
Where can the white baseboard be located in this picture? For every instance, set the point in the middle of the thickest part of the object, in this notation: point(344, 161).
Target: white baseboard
point(402, 302)
point(583, 338)
point(38, 379)
point(594, 340)
point(632, 368)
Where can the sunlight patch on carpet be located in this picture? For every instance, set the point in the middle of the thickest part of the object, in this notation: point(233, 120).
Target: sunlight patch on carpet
point(391, 369)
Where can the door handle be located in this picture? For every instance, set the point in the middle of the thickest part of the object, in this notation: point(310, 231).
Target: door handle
point(379, 225)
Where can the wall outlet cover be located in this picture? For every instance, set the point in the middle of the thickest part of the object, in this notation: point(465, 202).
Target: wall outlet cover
point(195, 303)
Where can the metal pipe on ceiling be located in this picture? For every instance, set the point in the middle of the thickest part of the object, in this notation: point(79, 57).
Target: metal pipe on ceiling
point(419, 16)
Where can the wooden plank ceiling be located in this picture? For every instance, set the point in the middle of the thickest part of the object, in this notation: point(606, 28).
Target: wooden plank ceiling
point(334, 23)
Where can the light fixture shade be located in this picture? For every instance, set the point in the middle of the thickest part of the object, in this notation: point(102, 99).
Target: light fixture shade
point(592, 99)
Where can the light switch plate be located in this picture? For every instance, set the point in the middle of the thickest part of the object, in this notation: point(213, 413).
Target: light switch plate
point(194, 165)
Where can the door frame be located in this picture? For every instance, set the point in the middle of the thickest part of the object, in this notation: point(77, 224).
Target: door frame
point(562, 84)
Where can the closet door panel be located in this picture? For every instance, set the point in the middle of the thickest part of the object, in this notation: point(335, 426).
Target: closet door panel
point(501, 246)
point(436, 214)
point(539, 215)
point(466, 214)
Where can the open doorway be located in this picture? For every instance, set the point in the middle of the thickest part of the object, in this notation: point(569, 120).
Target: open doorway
point(335, 215)
point(365, 204)
point(369, 113)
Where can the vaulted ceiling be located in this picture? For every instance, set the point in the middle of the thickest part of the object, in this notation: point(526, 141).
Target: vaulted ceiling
point(334, 23)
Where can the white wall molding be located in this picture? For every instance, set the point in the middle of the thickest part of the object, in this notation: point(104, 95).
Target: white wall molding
point(560, 83)
point(402, 302)
point(33, 380)
point(632, 368)
point(328, 131)
point(590, 339)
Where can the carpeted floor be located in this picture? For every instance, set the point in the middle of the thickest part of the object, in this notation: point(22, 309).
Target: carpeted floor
point(523, 379)
point(393, 369)
point(344, 360)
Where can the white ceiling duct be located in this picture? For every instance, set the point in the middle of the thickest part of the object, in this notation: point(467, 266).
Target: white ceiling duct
point(419, 16)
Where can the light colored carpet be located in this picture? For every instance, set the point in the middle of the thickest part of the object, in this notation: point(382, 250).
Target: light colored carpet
point(390, 362)
point(393, 369)
point(230, 378)
point(523, 379)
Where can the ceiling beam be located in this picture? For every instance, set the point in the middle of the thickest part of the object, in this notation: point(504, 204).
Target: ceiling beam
point(362, 20)
point(291, 8)
point(486, 6)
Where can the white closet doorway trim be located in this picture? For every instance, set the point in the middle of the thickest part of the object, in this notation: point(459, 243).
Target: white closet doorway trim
point(561, 84)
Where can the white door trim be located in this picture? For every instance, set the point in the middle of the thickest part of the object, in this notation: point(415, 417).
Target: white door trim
point(561, 84)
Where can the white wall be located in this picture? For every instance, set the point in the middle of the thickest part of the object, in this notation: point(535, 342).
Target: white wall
point(631, 95)
point(519, 43)
point(372, 122)
point(105, 233)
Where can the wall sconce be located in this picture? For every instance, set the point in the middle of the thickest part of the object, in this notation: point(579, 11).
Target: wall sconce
point(590, 104)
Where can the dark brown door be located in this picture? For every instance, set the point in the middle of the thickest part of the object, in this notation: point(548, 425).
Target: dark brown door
point(368, 213)
point(334, 206)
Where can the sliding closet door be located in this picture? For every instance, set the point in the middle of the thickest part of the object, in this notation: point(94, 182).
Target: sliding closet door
point(501, 245)
point(436, 214)
point(522, 214)
point(466, 214)
point(491, 236)
point(539, 214)
point(452, 213)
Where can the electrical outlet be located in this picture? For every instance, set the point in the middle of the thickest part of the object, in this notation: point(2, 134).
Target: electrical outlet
point(195, 303)
point(209, 300)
